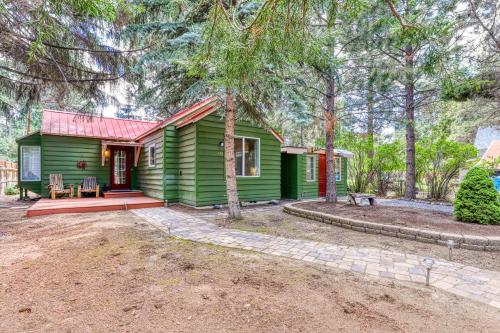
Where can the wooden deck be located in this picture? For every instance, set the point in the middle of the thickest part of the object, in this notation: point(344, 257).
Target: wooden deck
point(85, 205)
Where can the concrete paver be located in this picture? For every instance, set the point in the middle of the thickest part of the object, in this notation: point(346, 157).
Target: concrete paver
point(467, 281)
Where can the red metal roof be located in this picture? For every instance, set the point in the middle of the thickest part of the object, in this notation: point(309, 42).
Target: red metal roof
point(192, 118)
point(189, 110)
point(73, 124)
point(210, 101)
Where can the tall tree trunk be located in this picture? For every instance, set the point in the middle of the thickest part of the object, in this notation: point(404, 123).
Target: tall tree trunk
point(301, 136)
point(410, 192)
point(370, 125)
point(28, 127)
point(8, 125)
point(370, 122)
point(330, 120)
point(231, 188)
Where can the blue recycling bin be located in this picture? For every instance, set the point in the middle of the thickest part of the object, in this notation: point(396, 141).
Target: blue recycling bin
point(496, 182)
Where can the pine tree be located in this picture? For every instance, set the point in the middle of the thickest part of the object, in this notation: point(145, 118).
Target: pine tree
point(477, 200)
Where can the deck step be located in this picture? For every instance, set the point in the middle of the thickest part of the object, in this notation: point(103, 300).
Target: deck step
point(87, 205)
point(123, 194)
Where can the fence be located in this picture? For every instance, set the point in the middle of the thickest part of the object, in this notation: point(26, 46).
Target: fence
point(8, 175)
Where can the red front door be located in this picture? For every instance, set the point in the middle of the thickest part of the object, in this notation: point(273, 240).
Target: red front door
point(120, 168)
point(322, 175)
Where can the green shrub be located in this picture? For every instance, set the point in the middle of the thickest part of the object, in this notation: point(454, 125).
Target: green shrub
point(11, 190)
point(477, 199)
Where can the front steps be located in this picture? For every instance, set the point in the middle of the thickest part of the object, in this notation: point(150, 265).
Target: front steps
point(123, 194)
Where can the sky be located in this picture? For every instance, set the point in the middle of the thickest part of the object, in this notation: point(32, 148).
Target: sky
point(119, 92)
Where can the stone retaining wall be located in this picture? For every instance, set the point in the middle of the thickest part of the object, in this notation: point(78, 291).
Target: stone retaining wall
point(479, 243)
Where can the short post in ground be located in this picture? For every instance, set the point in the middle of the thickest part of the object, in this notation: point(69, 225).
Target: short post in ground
point(428, 262)
point(451, 245)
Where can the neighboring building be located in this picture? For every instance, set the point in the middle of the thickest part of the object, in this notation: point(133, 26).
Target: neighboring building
point(492, 155)
point(484, 137)
point(303, 172)
point(180, 159)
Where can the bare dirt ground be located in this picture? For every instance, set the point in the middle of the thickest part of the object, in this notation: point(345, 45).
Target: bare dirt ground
point(274, 221)
point(113, 273)
point(405, 217)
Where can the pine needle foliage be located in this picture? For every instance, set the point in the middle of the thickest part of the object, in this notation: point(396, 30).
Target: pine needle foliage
point(477, 200)
point(52, 47)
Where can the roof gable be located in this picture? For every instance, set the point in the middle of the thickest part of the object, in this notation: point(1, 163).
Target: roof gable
point(205, 111)
point(195, 113)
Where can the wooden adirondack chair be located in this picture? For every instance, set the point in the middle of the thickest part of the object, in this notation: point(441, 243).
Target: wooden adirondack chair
point(89, 185)
point(56, 186)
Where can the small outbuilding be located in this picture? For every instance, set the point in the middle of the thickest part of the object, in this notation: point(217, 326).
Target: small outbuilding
point(303, 172)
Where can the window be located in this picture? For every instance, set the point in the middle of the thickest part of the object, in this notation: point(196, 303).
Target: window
point(30, 163)
point(120, 167)
point(152, 156)
point(311, 168)
point(338, 169)
point(247, 156)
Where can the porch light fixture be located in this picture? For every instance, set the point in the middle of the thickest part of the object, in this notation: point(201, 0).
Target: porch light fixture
point(451, 244)
point(107, 154)
point(428, 263)
point(221, 144)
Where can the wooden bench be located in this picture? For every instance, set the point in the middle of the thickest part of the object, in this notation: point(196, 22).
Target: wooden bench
point(357, 198)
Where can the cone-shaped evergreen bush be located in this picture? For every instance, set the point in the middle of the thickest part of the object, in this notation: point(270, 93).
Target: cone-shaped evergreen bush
point(477, 200)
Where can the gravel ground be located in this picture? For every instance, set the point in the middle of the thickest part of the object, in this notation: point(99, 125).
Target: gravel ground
point(111, 272)
point(445, 208)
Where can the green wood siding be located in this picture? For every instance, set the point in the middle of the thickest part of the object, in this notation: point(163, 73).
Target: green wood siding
point(308, 189)
point(210, 175)
point(31, 140)
point(60, 154)
point(342, 184)
point(171, 164)
point(187, 165)
point(150, 179)
point(293, 178)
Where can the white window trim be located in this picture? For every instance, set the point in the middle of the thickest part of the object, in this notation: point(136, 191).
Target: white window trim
point(21, 164)
point(315, 166)
point(243, 157)
point(149, 156)
point(339, 165)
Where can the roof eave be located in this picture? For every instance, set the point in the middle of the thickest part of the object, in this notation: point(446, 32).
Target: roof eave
point(88, 137)
point(179, 116)
point(27, 135)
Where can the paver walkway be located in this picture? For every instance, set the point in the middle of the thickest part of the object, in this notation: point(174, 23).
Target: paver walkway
point(467, 281)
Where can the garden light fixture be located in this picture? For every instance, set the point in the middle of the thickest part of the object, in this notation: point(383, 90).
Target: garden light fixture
point(451, 245)
point(428, 262)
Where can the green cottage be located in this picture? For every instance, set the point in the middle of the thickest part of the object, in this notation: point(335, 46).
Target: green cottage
point(303, 172)
point(180, 159)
